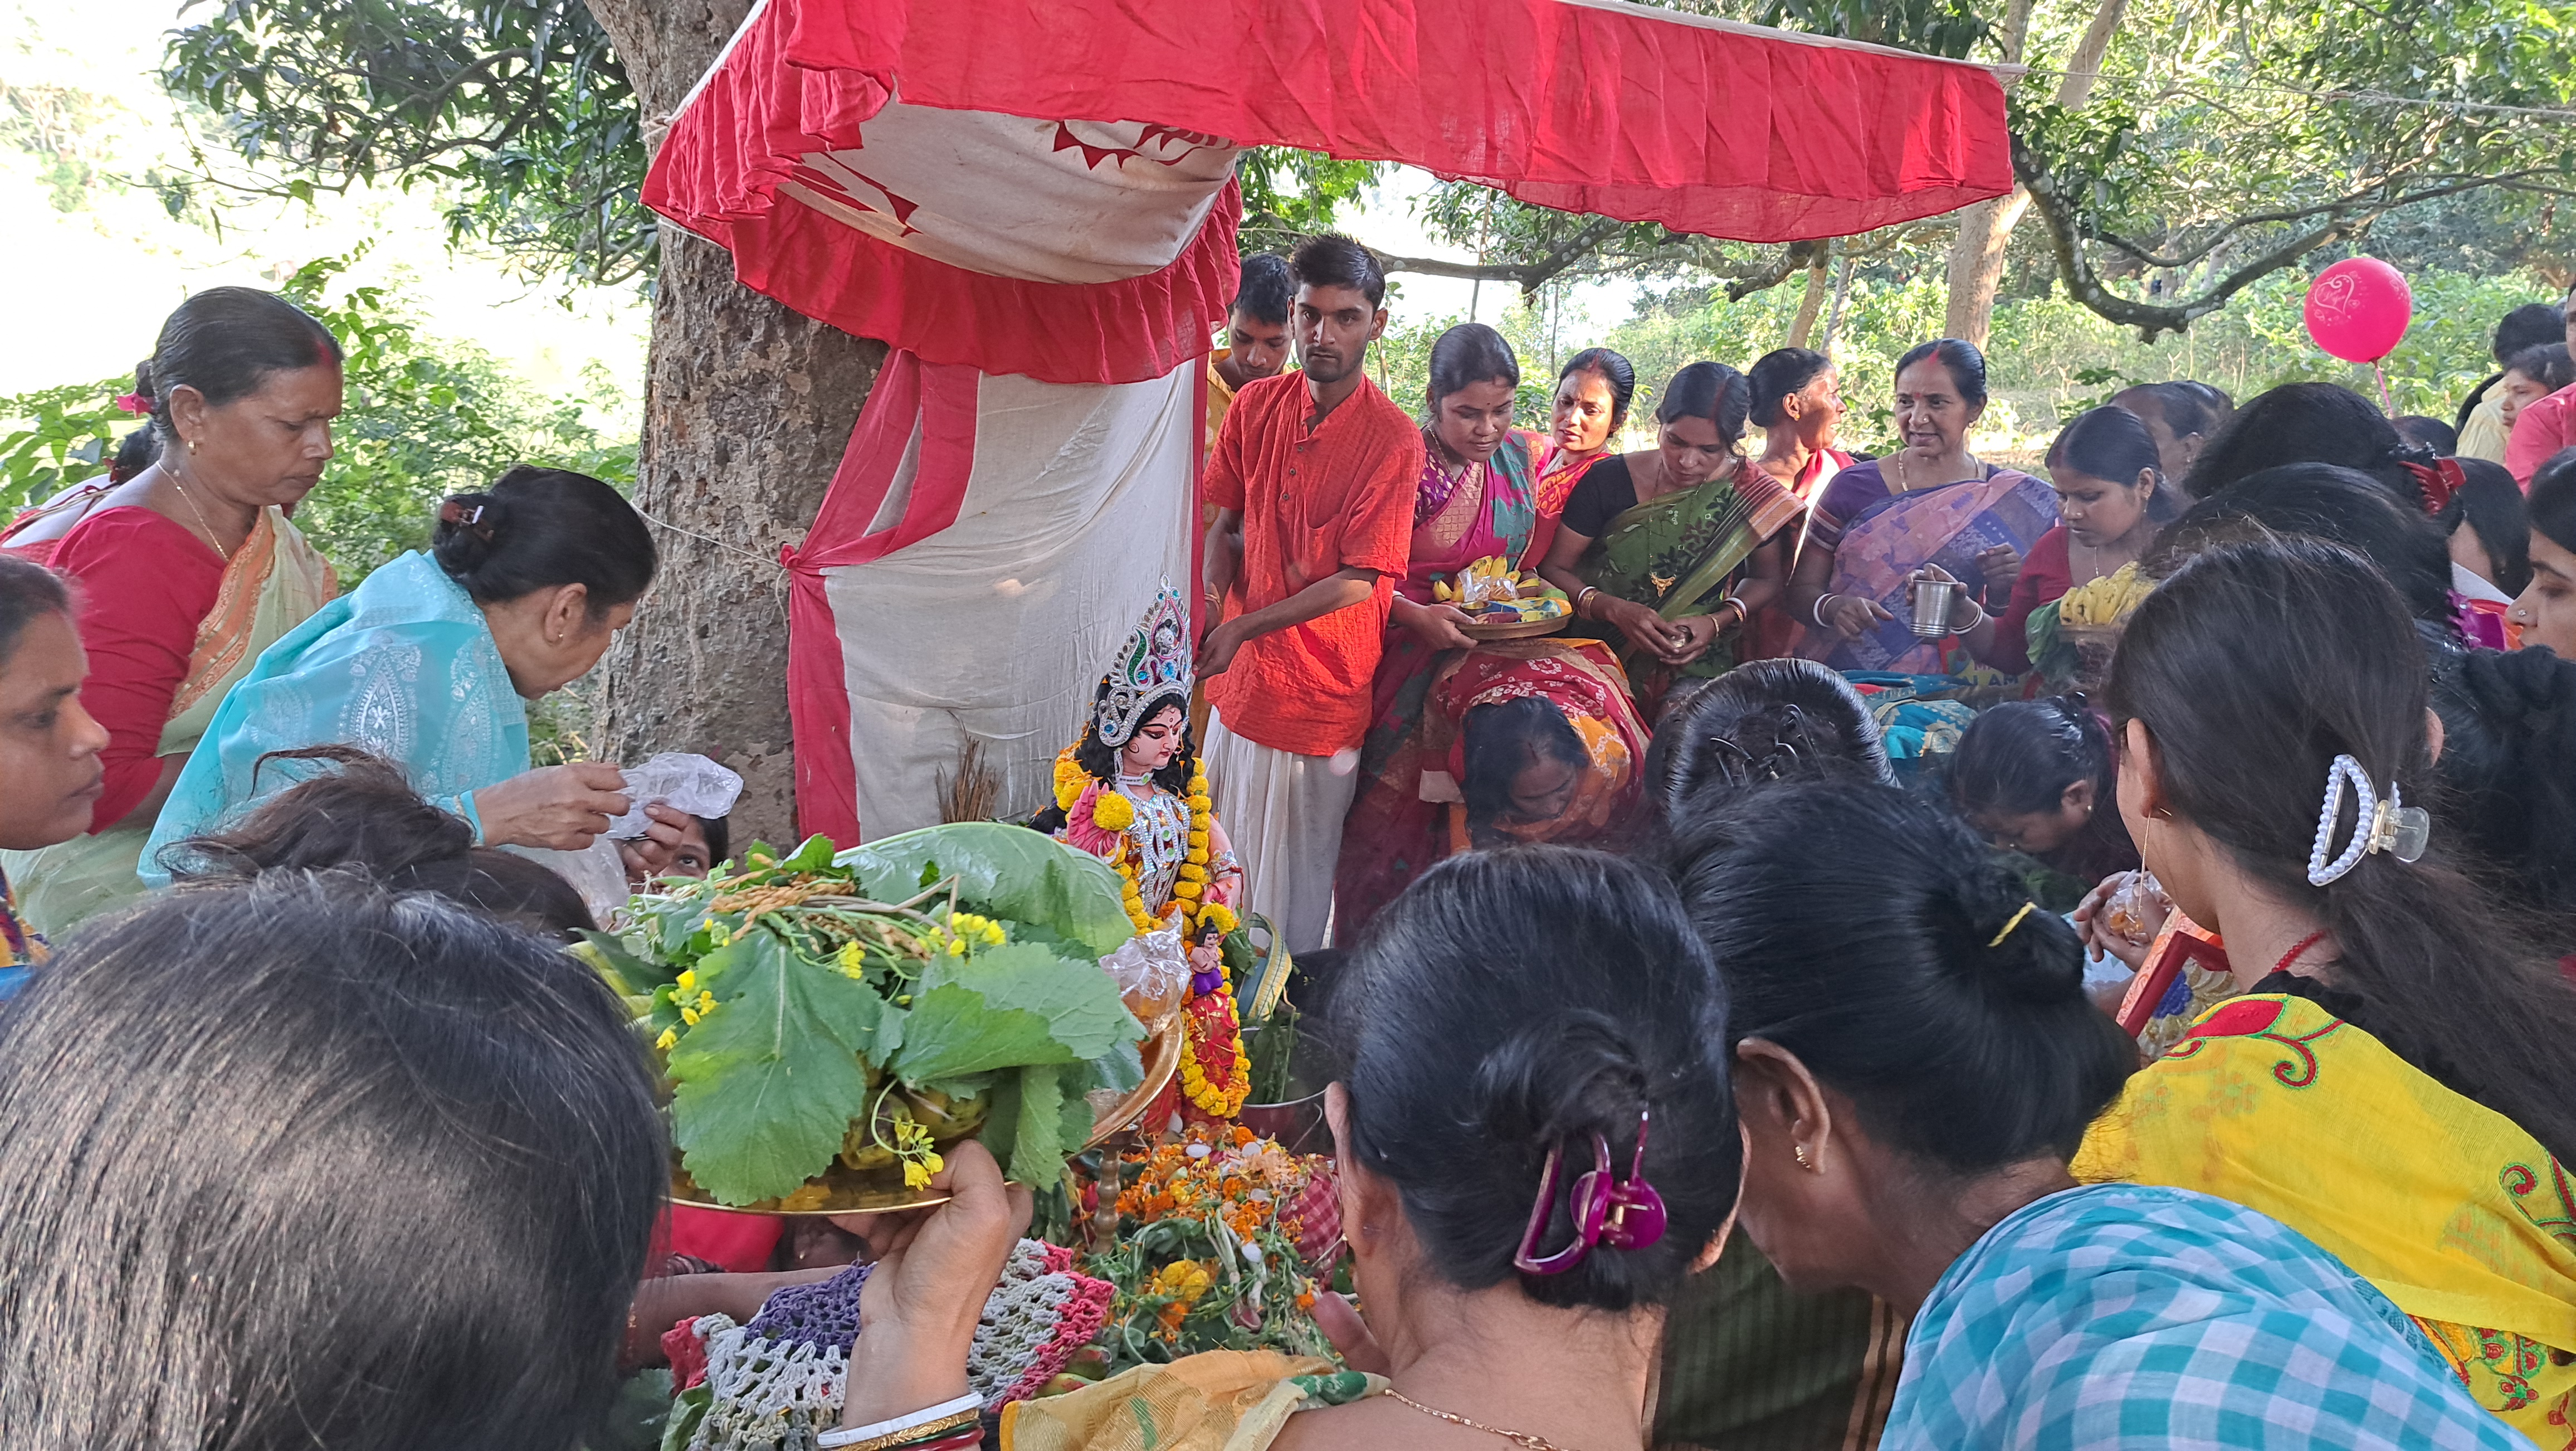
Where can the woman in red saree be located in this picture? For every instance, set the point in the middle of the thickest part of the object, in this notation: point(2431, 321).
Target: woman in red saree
point(1478, 500)
point(189, 569)
point(1592, 395)
point(1536, 740)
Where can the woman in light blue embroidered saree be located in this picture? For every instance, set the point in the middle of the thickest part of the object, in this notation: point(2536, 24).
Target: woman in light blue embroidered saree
point(429, 663)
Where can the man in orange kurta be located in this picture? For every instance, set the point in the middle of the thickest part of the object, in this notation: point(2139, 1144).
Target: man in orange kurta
point(1313, 480)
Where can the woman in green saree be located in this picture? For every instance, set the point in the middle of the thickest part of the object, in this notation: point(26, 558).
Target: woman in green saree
point(1670, 549)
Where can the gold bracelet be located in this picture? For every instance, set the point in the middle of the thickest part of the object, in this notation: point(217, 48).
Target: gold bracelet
point(930, 1431)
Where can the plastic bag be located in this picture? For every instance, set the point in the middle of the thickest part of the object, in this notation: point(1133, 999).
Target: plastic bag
point(1152, 974)
point(598, 872)
point(2136, 908)
point(679, 780)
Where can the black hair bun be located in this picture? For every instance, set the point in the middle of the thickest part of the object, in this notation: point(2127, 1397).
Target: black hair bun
point(467, 526)
point(2022, 949)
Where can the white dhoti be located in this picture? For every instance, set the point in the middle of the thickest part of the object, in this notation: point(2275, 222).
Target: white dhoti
point(1283, 812)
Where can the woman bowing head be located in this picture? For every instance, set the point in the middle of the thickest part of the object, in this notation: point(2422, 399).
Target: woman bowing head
point(189, 569)
point(429, 663)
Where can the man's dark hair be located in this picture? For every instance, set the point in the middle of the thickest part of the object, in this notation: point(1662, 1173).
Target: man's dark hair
point(1333, 260)
point(1266, 291)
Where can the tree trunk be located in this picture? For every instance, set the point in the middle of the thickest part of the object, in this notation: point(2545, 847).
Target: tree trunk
point(747, 408)
point(1811, 302)
point(1977, 256)
point(1985, 229)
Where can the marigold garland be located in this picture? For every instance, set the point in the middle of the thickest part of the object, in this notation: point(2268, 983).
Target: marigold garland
point(1111, 811)
point(1215, 1102)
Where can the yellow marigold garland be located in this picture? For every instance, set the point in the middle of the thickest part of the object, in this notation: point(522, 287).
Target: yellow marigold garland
point(1215, 1102)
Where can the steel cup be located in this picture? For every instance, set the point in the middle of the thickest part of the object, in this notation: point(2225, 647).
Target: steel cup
point(1932, 608)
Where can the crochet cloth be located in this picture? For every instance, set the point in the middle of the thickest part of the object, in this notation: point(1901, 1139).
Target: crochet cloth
point(777, 1382)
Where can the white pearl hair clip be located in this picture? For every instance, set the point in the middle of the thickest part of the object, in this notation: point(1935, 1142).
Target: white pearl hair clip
point(2390, 825)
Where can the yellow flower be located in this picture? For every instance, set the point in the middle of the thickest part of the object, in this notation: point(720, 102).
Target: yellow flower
point(1193, 872)
point(1219, 916)
point(1198, 841)
point(1112, 812)
point(688, 981)
point(849, 960)
point(1187, 889)
point(1183, 1280)
point(1070, 779)
point(994, 936)
point(670, 1039)
point(957, 947)
point(1199, 800)
point(689, 1016)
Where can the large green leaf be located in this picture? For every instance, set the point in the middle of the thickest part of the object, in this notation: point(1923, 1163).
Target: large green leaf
point(1038, 1145)
point(1002, 871)
point(770, 1080)
point(1010, 1006)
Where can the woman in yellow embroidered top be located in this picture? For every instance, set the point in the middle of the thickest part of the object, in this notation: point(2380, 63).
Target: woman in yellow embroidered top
point(2397, 1082)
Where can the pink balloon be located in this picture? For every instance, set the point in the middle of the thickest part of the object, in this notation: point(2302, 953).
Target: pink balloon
point(2358, 309)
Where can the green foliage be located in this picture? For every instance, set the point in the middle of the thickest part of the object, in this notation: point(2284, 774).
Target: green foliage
point(425, 417)
point(2228, 140)
point(871, 990)
point(1288, 193)
point(519, 103)
point(770, 1081)
point(58, 437)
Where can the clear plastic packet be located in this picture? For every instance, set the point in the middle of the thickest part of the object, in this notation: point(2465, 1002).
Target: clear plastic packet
point(2136, 908)
point(1152, 975)
point(680, 780)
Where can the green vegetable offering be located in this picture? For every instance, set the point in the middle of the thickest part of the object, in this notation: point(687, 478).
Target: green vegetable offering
point(868, 1006)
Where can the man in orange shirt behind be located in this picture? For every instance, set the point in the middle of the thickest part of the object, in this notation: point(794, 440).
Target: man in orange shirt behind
point(1313, 479)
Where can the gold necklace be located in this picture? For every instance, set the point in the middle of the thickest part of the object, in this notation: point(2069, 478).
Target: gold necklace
point(1518, 1438)
point(221, 552)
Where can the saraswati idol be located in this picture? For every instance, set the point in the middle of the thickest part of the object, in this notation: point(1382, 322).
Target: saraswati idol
point(1133, 793)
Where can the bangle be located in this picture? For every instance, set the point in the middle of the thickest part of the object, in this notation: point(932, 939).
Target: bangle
point(1972, 624)
point(901, 1429)
point(1816, 611)
point(1743, 616)
point(958, 1428)
point(1583, 599)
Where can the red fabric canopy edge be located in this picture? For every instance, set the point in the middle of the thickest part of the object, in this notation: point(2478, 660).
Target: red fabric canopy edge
point(1634, 114)
point(1613, 109)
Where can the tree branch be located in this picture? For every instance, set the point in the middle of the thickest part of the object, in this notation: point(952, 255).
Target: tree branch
point(2150, 319)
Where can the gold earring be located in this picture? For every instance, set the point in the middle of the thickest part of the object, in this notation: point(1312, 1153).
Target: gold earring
point(1800, 1150)
point(192, 445)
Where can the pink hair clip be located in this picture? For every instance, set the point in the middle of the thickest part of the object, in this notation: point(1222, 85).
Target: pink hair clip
point(134, 402)
point(1622, 1215)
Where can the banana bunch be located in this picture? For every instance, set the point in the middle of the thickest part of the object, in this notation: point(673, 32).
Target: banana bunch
point(2105, 601)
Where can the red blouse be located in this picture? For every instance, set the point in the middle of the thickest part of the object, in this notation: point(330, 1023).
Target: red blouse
point(2045, 575)
point(146, 582)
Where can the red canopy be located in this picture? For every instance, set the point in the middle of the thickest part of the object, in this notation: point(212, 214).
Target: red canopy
point(1584, 105)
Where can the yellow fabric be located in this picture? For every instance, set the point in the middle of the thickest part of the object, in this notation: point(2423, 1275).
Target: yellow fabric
point(1221, 1400)
point(2485, 435)
point(273, 583)
point(2446, 1206)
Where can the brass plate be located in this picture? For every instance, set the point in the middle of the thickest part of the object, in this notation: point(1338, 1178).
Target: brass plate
point(870, 1191)
point(1517, 629)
